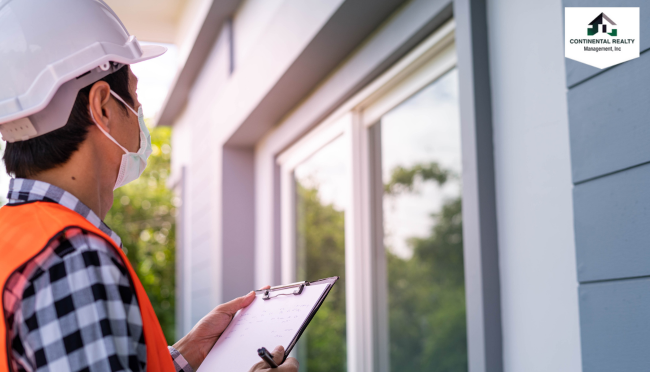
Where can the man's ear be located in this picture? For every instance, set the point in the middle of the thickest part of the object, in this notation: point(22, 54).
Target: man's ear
point(98, 99)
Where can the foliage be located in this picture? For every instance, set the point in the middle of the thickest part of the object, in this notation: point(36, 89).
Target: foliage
point(321, 254)
point(143, 216)
point(427, 300)
point(406, 179)
point(426, 292)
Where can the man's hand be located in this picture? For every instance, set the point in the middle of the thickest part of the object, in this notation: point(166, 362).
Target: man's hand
point(289, 365)
point(196, 345)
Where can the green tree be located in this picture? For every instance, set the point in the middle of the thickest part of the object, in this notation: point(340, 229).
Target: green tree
point(320, 254)
point(426, 292)
point(143, 216)
point(407, 179)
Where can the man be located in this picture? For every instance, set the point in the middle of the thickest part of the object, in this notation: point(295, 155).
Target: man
point(70, 113)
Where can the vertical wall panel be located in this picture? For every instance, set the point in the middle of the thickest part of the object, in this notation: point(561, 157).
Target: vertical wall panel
point(539, 297)
point(238, 231)
point(203, 187)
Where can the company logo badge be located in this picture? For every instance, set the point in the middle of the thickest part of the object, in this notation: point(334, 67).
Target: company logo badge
point(601, 20)
point(593, 37)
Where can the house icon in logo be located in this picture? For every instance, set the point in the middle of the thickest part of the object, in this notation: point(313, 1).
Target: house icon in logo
point(603, 20)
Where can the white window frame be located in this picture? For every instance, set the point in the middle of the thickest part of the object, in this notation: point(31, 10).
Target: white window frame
point(366, 306)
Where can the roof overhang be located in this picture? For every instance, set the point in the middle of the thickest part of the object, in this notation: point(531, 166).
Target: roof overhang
point(199, 46)
point(352, 23)
point(344, 32)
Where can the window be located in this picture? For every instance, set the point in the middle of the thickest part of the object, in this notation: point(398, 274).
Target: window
point(320, 183)
point(420, 194)
point(372, 194)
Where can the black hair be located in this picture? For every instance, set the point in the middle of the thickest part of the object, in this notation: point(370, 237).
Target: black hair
point(28, 158)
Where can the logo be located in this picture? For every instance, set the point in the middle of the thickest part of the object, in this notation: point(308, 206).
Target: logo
point(594, 38)
point(597, 22)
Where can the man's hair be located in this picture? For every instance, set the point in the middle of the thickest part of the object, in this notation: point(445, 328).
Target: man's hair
point(28, 158)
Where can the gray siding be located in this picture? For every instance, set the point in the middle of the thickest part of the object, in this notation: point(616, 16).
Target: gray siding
point(612, 220)
point(577, 72)
point(609, 120)
point(615, 326)
point(610, 157)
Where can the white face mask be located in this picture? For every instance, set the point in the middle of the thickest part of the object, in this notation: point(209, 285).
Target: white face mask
point(133, 163)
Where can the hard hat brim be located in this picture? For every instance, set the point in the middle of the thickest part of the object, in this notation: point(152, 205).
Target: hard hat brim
point(150, 51)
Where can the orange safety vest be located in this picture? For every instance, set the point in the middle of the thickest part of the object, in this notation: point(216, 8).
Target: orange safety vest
point(26, 229)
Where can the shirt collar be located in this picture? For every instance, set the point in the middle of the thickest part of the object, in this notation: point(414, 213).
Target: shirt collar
point(23, 190)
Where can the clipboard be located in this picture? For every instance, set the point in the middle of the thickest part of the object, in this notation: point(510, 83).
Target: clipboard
point(281, 314)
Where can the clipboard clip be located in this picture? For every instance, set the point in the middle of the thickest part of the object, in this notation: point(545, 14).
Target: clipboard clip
point(300, 286)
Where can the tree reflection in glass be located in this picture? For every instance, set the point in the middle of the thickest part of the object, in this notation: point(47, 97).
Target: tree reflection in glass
point(421, 167)
point(320, 253)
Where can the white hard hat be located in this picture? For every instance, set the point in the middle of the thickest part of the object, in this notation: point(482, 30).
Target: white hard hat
point(49, 50)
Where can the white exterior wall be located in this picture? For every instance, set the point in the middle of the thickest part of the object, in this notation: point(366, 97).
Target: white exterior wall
point(539, 294)
point(217, 104)
point(250, 22)
point(194, 149)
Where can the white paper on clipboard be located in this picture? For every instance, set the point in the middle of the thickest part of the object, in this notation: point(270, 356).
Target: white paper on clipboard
point(262, 324)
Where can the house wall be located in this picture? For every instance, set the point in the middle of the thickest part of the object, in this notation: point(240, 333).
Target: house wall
point(181, 144)
point(217, 242)
point(250, 22)
point(608, 119)
point(196, 170)
point(226, 256)
point(539, 294)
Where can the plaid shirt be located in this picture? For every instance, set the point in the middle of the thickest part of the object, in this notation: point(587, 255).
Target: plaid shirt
point(73, 307)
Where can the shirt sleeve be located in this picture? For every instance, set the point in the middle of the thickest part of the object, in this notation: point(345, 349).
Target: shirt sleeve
point(180, 363)
point(78, 311)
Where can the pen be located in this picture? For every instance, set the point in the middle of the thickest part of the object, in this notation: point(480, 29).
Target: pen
point(267, 357)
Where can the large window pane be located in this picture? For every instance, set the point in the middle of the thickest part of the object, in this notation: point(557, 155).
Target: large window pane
point(421, 168)
point(320, 253)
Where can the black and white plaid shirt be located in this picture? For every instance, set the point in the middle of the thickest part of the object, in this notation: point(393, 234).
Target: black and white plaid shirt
point(73, 307)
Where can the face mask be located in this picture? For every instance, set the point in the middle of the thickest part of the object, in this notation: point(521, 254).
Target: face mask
point(133, 163)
